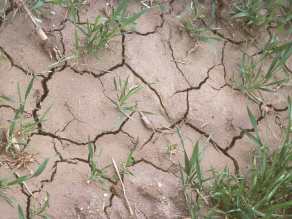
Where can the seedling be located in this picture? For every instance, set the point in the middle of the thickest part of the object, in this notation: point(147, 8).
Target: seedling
point(39, 213)
point(191, 25)
point(258, 13)
point(254, 78)
point(4, 185)
point(33, 212)
point(264, 191)
point(194, 178)
point(27, 127)
point(130, 161)
point(123, 95)
point(105, 29)
point(170, 149)
point(96, 174)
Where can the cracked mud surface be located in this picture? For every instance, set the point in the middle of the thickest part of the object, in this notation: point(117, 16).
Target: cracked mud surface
point(193, 90)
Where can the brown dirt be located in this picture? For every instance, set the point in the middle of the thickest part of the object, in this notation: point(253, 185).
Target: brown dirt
point(194, 91)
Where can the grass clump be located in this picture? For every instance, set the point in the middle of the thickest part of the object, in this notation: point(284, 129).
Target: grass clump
point(253, 76)
point(194, 178)
point(259, 13)
point(192, 25)
point(25, 127)
point(123, 95)
point(171, 149)
point(96, 174)
point(264, 191)
point(130, 160)
point(5, 185)
point(104, 29)
point(33, 212)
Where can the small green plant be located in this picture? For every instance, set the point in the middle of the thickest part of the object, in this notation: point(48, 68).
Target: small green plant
point(264, 191)
point(5, 185)
point(191, 25)
point(3, 4)
point(130, 161)
point(33, 212)
point(123, 96)
point(39, 213)
point(96, 174)
point(252, 75)
point(194, 178)
point(105, 29)
point(18, 117)
point(259, 13)
point(170, 149)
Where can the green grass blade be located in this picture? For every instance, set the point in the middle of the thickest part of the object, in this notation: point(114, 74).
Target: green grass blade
point(45, 204)
point(195, 154)
point(205, 39)
point(241, 15)
point(37, 5)
point(9, 99)
point(20, 213)
point(288, 130)
point(17, 181)
point(19, 93)
point(7, 177)
point(90, 149)
point(120, 118)
point(181, 174)
point(41, 167)
point(214, 6)
point(103, 184)
point(121, 6)
point(6, 198)
point(254, 125)
point(149, 113)
point(112, 101)
point(179, 136)
point(133, 18)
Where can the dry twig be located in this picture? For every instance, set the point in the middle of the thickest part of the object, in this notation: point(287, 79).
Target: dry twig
point(49, 47)
point(23, 183)
point(124, 190)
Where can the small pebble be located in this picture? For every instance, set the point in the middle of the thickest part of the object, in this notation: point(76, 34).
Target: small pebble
point(52, 12)
point(105, 195)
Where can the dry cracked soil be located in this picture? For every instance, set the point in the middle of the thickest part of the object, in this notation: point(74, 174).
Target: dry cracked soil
point(191, 88)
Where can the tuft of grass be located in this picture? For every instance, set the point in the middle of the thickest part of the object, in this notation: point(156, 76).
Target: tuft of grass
point(191, 24)
point(170, 149)
point(194, 178)
point(5, 185)
point(258, 13)
point(25, 127)
point(96, 174)
point(130, 161)
point(123, 95)
point(252, 75)
point(104, 29)
point(264, 191)
point(33, 212)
